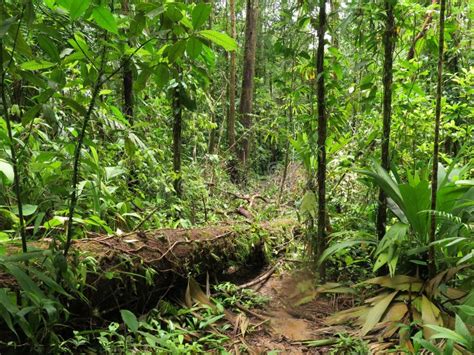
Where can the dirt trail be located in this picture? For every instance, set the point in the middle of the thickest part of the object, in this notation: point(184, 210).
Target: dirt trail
point(291, 324)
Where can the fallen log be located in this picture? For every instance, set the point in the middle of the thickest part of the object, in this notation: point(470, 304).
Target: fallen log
point(135, 270)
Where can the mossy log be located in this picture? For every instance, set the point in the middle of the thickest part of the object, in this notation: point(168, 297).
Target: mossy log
point(135, 270)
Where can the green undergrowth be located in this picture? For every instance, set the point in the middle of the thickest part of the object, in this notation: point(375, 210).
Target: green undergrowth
point(47, 296)
point(169, 328)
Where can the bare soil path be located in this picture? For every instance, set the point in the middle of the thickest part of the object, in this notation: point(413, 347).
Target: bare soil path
point(294, 316)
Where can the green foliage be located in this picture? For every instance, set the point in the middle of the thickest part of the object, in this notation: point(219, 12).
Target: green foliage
point(57, 53)
point(37, 307)
point(229, 295)
point(167, 329)
point(410, 203)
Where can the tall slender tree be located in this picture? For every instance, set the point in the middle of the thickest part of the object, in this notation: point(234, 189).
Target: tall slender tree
point(232, 69)
point(177, 135)
point(127, 77)
point(388, 43)
point(4, 65)
point(322, 134)
point(434, 177)
point(248, 74)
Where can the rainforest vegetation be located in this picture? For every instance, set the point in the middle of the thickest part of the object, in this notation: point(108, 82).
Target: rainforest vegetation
point(236, 176)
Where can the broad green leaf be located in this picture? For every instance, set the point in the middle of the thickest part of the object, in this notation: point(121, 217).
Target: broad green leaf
point(427, 345)
point(308, 204)
point(113, 171)
point(27, 209)
point(416, 198)
point(468, 310)
point(200, 14)
point(48, 281)
point(220, 39)
point(76, 106)
point(385, 181)
point(130, 320)
point(445, 333)
point(342, 246)
point(6, 301)
point(461, 329)
point(162, 75)
point(78, 8)
point(7, 170)
point(26, 283)
point(25, 256)
point(48, 46)
point(105, 19)
point(5, 315)
point(36, 65)
point(173, 12)
point(193, 47)
point(176, 50)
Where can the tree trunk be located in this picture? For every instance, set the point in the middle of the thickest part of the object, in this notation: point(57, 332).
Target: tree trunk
point(434, 177)
point(177, 135)
point(173, 254)
point(388, 42)
point(211, 148)
point(127, 78)
point(246, 98)
point(322, 133)
point(128, 100)
point(232, 69)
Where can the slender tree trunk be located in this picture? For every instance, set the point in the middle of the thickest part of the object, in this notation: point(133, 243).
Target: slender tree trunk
point(211, 148)
point(322, 133)
point(127, 78)
point(232, 69)
point(388, 43)
point(78, 148)
point(13, 152)
point(246, 98)
point(177, 137)
point(434, 177)
point(289, 128)
point(128, 99)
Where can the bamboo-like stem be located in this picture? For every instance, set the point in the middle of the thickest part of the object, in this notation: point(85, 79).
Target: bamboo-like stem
point(6, 114)
point(434, 177)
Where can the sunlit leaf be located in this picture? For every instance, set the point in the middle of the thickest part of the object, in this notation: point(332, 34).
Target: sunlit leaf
point(36, 65)
point(6, 169)
point(200, 14)
point(78, 8)
point(220, 39)
point(105, 19)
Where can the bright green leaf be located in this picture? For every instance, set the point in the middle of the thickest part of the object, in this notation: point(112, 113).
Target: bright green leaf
point(193, 47)
point(220, 39)
point(78, 8)
point(130, 320)
point(7, 170)
point(105, 19)
point(36, 65)
point(200, 14)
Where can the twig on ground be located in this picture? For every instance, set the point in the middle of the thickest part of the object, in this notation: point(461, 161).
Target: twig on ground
point(261, 279)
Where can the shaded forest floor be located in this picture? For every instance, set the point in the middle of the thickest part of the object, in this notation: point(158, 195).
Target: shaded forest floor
point(286, 326)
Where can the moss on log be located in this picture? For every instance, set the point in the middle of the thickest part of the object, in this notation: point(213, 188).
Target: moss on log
point(135, 270)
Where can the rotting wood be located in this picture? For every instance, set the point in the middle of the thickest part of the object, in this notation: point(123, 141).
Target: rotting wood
point(172, 254)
